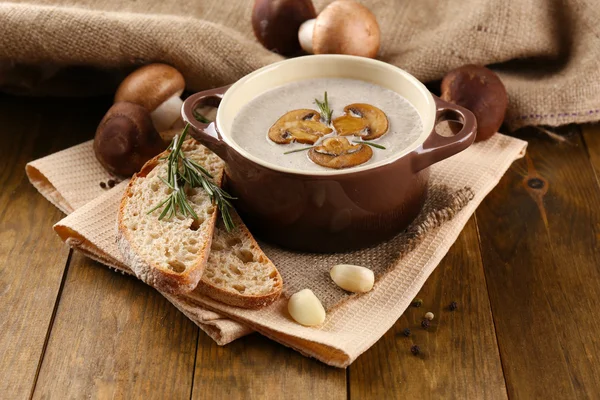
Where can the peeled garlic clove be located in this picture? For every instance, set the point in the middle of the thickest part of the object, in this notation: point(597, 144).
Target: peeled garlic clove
point(353, 278)
point(306, 309)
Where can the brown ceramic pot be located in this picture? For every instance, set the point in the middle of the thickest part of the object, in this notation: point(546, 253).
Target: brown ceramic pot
point(333, 210)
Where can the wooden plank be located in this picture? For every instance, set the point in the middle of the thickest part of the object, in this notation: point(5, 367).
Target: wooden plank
point(591, 136)
point(459, 354)
point(540, 230)
point(115, 337)
point(255, 367)
point(32, 257)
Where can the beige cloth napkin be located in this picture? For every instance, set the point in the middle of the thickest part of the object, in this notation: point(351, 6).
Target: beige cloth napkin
point(70, 179)
point(545, 51)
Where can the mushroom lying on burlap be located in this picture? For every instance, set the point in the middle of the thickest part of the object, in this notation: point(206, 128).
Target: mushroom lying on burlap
point(276, 23)
point(363, 120)
point(337, 152)
point(302, 126)
point(343, 27)
point(479, 90)
point(158, 88)
point(126, 139)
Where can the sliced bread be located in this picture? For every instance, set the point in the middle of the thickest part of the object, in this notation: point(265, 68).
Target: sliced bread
point(238, 273)
point(169, 254)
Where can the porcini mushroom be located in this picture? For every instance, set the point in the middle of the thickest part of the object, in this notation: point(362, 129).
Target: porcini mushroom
point(337, 152)
point(363, 120)
point(156, 87)
point(479, 90)
point(343, 27)
point(276, 23)
point(126, 139)
point(302, 126)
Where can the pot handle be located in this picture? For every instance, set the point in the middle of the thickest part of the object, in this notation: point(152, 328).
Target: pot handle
point(436, 147)
point(205, 133)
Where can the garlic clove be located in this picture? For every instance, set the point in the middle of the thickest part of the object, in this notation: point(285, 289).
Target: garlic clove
point(353, 278)
point(306, 309)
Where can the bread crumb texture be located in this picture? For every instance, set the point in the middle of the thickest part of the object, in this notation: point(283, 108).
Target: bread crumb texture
point(171, 244)
point(236, 263)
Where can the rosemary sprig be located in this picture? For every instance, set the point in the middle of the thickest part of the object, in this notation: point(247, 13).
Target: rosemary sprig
point(377, 146)
point(183, 171)
point(298, 150)
point(200, 118)
point(326, 112)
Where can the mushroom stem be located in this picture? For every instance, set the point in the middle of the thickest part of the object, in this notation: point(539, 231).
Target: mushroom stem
point(305, 35)
point(167, 114)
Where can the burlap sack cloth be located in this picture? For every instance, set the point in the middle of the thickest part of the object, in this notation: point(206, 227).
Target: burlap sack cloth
point(71, 180)
point(545, 51)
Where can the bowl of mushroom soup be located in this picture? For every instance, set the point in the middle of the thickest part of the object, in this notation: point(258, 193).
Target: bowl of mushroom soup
point(329, 152)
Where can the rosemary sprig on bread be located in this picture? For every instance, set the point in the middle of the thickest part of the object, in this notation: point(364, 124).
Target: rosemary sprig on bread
point(182, 171)
point(182, 254)
point(169, 254)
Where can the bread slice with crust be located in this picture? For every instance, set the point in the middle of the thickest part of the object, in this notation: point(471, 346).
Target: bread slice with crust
point(238, 273)
point(176, 255)
point(167, 254)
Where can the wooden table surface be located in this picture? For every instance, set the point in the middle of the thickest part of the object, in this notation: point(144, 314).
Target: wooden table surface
point(525, 273)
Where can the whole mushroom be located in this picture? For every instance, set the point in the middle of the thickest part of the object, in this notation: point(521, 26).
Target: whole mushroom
point(276, 23)
point(343, 27)
point(126, 138)
point(157, 88)
point(479, 90)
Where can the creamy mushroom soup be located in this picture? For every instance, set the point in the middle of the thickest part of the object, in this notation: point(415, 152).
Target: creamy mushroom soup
point(357, 123)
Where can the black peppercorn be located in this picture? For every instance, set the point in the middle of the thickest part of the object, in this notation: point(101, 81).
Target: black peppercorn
point(103, 185)
point(415, 350)
point(453, 306)
point(425, 323)
point(111, 183)
point(417, 303)
point(406, 332)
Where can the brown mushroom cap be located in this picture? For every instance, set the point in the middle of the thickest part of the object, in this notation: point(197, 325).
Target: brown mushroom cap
point(346, 27)
point(126, 139)
point(337, 152)
point(150, 86)
point(479, 90)
point(276, 23)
